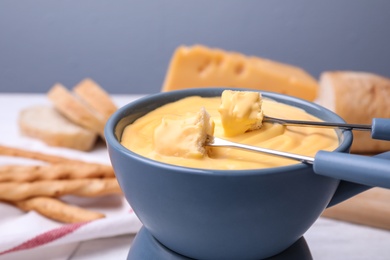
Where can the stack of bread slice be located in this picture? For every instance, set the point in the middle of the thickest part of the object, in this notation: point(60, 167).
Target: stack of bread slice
point(75, 120)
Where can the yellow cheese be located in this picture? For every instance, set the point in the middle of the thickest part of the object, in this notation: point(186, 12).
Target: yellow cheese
point(240, 111)
point(141, 137)
point(199, 66)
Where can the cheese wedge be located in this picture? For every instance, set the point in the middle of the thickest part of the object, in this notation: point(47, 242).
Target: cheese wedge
point(200, 66)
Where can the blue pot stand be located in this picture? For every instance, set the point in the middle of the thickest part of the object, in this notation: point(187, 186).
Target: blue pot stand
point(146, 247)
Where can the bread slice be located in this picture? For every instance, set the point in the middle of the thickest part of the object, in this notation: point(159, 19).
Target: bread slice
point(96, 97)
point(184, 137)
point(48, 125)
point(199, 66)
point(75, 109)
point(357, 97)
point(240, 111)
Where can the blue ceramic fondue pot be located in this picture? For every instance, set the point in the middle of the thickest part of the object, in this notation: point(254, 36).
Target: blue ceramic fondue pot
point(234, 214)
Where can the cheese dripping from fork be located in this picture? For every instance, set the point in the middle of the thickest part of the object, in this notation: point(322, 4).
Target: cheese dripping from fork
point(240, 111)
point(184, 137)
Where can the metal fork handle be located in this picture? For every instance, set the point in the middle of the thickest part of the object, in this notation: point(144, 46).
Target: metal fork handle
point(218, 142)
point(360, 127)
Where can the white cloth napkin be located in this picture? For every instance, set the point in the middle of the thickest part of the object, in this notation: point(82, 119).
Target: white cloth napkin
point(30, 231)
point(23, 234)
point(32, 236)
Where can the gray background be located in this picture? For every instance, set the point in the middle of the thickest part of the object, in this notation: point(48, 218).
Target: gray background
point(126, 46)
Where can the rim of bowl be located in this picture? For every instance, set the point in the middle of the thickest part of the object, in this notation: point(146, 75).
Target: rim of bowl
point(345, 136)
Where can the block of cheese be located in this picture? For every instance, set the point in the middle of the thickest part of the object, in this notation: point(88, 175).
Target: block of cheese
point(240, 111)
point(357, 97)
point(200, 66)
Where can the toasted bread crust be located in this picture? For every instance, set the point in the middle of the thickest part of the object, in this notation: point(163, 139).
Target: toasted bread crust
point(358, 97)
point(96, 97)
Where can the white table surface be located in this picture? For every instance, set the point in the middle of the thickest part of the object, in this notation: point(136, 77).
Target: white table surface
point(327, 239)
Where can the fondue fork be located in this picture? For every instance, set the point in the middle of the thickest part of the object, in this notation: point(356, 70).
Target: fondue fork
point(219, 142)
point(372, 171)
point(380, 127)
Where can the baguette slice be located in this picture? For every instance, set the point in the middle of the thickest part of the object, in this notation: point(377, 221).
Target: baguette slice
point(75, 109)
point(48, 125)
point(357, 97)
point(184, 137)
point(96, 97)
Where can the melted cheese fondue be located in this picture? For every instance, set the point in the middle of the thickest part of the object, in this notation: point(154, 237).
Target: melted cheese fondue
point(139, 136)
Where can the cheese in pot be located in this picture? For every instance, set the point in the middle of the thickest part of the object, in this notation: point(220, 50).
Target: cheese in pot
point(139, 136)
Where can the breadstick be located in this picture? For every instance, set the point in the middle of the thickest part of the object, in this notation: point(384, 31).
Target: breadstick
point(16, 152)
point(58, 210)
point(15, 191)
point(28, 173)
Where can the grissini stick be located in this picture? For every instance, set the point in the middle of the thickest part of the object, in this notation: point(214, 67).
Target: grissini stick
point(15, 191)
point(29, 173)
point(16, 152)
point(58, 210)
